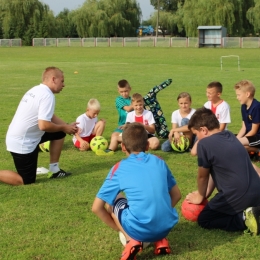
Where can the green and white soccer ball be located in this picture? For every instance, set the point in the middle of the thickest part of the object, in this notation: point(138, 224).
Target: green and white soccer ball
point(98, 143)
point(182, 145)
point(45, 147)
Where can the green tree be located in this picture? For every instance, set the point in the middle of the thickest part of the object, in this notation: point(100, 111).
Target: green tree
point(253, 16)
point(227, 13)
point(21, 18)
point(105, 18)
point(167, 5)
point(64, 25)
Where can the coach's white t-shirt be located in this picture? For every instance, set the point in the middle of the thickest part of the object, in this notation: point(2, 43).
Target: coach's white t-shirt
point(146, 118)
point(85, 126)
point(23, 134)
point(177, 118)
point(222, 111)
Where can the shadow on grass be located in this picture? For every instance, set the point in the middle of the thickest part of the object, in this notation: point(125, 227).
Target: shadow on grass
point(189, 241)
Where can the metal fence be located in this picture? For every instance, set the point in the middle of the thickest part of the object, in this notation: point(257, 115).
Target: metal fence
point(186, 42)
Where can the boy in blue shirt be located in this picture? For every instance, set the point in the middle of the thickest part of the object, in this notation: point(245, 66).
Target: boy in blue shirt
point(249, 134)
point(146, 212)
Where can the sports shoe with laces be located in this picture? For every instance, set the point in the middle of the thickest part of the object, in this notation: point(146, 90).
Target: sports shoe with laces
point(106, 152)
point(60, 174)
point(162, 247)
point(132, 247)
point(252, 220)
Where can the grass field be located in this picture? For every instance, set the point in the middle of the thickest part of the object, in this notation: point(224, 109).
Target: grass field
point(52, 219)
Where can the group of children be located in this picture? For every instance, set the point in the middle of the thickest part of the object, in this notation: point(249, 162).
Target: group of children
point(139, 193)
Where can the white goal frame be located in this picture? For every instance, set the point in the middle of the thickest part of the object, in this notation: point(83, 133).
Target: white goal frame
point(230, 56)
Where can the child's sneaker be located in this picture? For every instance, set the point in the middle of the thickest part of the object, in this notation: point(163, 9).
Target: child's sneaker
point(131, 249)
point(106, 152)
point(162, 247)
point(252, 220)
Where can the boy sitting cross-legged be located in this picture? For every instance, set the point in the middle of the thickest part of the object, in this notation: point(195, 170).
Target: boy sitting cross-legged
point(146, 212)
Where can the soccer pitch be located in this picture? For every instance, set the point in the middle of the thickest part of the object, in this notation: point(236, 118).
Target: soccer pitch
point(52, 219)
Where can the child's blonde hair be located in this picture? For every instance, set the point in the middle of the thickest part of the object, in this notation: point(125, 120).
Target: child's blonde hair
point(184, 95)
point(245, 86)
point(93, 104)
point(136, 97)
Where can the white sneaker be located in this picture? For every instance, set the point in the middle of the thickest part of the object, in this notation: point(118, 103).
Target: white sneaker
point(42, 170)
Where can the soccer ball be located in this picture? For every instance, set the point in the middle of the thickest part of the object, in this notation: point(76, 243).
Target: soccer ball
point(123, 240)
point(182, 146)
point(45, 147)
point(98, 143)
point(191, 211)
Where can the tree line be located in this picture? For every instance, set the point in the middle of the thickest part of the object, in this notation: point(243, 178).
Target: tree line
point(28, 19)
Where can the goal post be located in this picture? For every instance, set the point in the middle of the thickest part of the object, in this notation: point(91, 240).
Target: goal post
point(230, 56)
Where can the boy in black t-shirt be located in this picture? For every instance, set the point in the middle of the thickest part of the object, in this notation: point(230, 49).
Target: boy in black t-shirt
point(224, 164)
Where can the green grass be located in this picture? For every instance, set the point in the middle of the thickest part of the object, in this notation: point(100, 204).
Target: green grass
point(52, 219)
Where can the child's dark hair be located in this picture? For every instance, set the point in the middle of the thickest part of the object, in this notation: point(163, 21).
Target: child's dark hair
point(184, 95)
point(135, 137)
point(123, 83)
point(217, 85)
point(203, 117)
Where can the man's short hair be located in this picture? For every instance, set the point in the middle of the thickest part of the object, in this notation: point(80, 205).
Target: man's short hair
point(203, 117)
point(135, 137)
point(50, 71)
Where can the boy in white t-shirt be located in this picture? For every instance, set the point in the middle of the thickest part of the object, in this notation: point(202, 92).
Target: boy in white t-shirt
point(144, 117)
point(180, 119)
point(218, 106)
point(88, 126)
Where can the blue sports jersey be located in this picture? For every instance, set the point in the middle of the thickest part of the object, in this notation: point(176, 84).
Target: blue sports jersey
point(146, 181)
point(251, 116)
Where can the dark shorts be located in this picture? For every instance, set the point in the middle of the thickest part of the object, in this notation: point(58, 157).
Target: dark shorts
point(26, 164)
point(119, 206)
point(254, 141)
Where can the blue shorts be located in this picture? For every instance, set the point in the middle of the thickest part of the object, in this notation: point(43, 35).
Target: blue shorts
point(119, 205)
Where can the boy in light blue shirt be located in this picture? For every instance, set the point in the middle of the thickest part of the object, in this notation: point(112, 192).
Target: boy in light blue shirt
point(146, 212)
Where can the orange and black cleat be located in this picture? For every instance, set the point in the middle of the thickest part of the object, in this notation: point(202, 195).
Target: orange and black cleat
point(162, 247)
point(131, 249)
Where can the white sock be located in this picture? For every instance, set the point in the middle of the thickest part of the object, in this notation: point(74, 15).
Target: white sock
point(54, 167)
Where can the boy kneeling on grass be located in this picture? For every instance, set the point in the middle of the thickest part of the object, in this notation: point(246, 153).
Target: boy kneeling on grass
point(146, 212)
point(224, 164)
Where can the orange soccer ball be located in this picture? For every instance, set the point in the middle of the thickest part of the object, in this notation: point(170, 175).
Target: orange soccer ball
point(192, 211)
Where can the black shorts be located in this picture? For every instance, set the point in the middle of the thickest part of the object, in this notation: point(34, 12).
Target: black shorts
point(26, 164)
point(254, 141)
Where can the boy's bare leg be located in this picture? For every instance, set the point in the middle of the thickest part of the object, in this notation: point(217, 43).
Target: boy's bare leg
point(110, 211)
point(153, 143)
point(11, 177)
point(99, 128)
point(115, 140)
